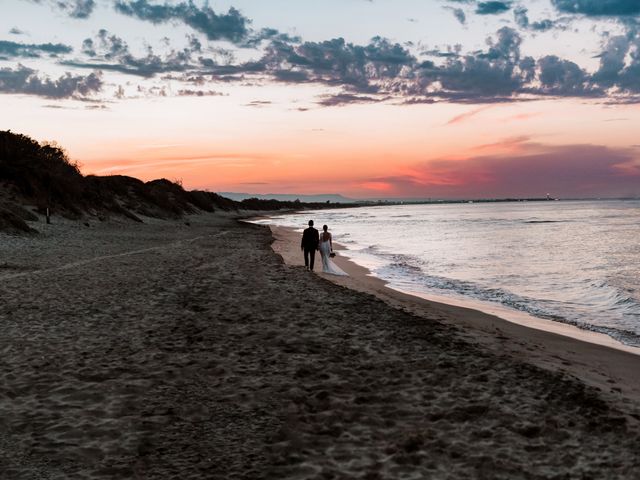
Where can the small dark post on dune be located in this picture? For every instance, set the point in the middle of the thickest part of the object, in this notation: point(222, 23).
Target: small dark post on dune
point(47, 211)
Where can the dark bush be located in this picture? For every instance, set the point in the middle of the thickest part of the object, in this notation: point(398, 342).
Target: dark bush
point(42, 175)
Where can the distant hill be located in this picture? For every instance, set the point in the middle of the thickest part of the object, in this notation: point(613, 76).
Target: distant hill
point(35, 177)
point(287, 197)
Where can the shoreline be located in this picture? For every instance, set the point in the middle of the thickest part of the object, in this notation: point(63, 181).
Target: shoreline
point(595, 358)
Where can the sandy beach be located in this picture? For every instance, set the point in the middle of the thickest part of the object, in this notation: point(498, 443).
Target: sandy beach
point(192, 350)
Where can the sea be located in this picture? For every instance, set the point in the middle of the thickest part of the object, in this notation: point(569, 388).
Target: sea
point(574, 262)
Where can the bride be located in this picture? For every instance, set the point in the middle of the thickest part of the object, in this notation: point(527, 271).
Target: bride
point(326, 247)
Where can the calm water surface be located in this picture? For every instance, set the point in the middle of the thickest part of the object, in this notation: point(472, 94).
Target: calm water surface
point(574, 262)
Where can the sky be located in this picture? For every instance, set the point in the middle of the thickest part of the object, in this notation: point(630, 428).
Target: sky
point(364, 98)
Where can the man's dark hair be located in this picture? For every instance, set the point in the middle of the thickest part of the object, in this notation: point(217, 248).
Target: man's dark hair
point(324, 227)
point(311, 223)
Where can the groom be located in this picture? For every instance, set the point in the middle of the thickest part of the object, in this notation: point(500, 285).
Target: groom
point(310, 240)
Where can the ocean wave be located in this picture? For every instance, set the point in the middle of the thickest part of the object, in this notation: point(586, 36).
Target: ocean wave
point(406, 274)
point(616, 298)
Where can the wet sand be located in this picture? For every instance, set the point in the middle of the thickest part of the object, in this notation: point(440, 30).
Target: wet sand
point(163, 351)
point(596, 359)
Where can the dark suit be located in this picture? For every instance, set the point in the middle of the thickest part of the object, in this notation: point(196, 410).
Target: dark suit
point(310, 240)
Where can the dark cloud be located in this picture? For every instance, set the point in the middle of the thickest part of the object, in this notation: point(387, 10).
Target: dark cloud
point(382, 70)
point(378, 71)
point(501, 74)
point(343, 99)
point(80, 8)
point(270, 34)
point(492, 8)
point(460, 16)
point(336, 62)
point(259, 103)
point(441, 54)
point(613, 60)
point(110, 52)
point(17, 31)
point(231, 26)
point(487, 76)
point(13, 49)
point(74, 8)
point(564, 78)
point(620, 64)
point(23, 80)
point(599, 7)
point(522, 20)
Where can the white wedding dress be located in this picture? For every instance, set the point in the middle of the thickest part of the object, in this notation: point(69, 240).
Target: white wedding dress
point(327, 265)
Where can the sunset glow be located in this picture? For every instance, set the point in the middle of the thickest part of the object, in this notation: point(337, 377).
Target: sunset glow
point(453, 101)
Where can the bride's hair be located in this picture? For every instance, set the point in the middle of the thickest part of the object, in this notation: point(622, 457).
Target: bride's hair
point(324, 227)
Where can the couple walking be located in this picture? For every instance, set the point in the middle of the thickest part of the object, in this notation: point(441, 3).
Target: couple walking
point(312, 241)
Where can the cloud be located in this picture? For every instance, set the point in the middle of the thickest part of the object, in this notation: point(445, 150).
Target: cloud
point(17, 31)
point(13, 49)
point(259, 103)
point(490, 76)
point(527, 170)
point(23, 80)
point(459, 14)
point(231, 26)
point(80, 9)
point(613, 60)
point(522, 20)
point(343, 99)
point(335, 62)
point(110, 52)
point(382, 70)
point(492, 8)
point(620, 64)
point(467, 115)
point(199, 93)
point(598, 7)
point(563, 77)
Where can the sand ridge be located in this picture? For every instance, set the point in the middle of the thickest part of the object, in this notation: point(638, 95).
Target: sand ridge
point(211, 358)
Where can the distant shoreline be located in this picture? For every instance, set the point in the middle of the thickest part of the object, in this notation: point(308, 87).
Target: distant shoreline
point(351, 202)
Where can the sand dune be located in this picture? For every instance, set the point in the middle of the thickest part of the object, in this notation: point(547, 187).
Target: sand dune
point(162, 350)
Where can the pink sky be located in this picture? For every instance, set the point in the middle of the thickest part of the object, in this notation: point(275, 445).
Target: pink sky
point(451, 101)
